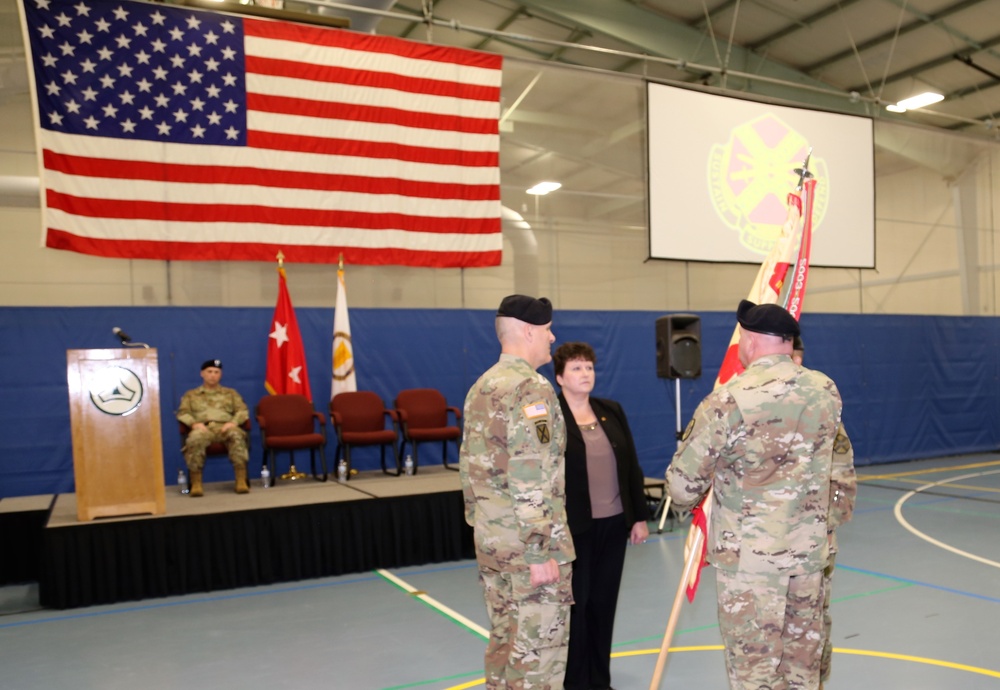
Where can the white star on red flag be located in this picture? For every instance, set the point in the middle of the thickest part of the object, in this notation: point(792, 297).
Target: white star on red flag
point(280, 334)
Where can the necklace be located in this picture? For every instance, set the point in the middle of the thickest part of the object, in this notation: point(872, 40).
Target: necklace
point(589, 427)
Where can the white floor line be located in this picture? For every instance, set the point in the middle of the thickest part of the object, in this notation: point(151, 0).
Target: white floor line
point(431, 601)
point(898, 510)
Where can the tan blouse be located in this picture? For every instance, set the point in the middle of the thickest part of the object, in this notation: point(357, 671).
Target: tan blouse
point(602, 472)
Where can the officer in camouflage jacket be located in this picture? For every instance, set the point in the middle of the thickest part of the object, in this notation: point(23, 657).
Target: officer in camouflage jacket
point(214, 414)
point(767, 444)
point(512, 473)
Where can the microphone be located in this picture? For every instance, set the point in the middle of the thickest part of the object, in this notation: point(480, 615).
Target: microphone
point(122, 335)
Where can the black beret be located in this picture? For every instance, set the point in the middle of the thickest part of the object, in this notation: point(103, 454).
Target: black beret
point(769, 319)
point(527, 309)
point(211, 363)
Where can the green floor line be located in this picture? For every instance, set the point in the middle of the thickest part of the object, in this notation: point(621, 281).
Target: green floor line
point(861, 595)
point(417, 684)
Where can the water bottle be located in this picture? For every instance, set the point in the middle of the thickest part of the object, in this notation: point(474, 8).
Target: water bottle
point(408, 465)
point(182, 482)
point(342, 471)
point(265, 477)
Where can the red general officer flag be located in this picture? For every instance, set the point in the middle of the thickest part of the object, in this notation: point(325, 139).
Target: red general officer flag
point(286, 358)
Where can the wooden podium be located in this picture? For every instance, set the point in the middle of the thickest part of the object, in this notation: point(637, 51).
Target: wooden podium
point(114, 402)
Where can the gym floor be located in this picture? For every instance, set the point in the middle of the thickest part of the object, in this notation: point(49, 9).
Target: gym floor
point(915, 605)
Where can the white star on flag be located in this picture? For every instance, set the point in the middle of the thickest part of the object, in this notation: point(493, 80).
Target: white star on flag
point(294, 374)
point(401, 136)
point(280, 334)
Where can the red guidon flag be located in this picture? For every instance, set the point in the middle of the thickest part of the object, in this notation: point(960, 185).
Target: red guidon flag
point(286, 358)
point(772, 286)
point(171, 132)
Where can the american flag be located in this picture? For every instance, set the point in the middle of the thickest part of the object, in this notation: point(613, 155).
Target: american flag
point(175, 133)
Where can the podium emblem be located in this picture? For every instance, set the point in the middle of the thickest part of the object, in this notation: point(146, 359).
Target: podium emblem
point(116, 391)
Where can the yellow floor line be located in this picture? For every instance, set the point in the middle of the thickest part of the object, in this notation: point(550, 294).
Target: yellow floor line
point(951, 486)
point(950, 468)
point(837, 650)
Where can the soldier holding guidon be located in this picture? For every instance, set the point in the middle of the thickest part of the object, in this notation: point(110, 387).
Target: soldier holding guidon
point(767, 444)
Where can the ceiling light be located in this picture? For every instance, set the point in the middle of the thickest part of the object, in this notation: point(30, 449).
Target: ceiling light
point(914, 102)
point(543, 188)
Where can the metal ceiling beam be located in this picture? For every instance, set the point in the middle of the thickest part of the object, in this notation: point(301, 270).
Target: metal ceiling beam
point(656, 35)
point(987, 120)
point(702, 23)
point(575, 37)
point(931, 64)
point(493, 36)
point(891, 35)
point(966, 60)
point(805, 22)
point(511, 18)
point(975, 88)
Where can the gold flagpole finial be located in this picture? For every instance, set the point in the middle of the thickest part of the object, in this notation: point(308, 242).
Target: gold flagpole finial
point(341, 264)
point(281, 259)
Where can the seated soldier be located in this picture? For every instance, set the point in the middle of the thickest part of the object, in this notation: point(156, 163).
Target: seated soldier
point(215, 414)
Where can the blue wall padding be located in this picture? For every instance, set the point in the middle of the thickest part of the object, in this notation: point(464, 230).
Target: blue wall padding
point(913, 386)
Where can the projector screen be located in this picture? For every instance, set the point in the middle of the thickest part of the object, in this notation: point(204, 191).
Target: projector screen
point(720, 169)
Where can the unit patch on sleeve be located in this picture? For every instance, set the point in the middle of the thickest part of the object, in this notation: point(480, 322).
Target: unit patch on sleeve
point(542, 430)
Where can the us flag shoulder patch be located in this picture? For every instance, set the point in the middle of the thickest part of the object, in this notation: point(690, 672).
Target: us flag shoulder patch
point(535, 410)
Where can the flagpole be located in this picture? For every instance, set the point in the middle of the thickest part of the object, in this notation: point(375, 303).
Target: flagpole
point(690, 563)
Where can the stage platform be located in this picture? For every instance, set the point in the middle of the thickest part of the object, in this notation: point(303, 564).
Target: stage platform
point(292, 531)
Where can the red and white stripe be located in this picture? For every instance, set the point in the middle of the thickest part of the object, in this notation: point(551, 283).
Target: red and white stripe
point(383, 150)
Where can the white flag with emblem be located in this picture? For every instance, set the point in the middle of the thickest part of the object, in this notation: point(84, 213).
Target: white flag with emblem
point(344, 380)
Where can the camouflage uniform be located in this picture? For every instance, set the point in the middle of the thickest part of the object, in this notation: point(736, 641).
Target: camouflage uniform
point(767, 442)
point(843, 489)
point(214, 407)
point(512, 474)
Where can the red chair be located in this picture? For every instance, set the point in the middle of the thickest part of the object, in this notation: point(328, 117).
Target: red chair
point(359, 419)
point(423, 416)
point(288, 422)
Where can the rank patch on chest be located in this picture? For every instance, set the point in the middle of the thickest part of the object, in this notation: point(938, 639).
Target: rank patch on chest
point(542, 430)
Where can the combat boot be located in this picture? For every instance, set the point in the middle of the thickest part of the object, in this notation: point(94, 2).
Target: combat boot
point(241, 480)
point(196, 489)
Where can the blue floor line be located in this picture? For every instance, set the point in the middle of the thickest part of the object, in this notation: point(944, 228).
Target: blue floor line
point(188, 602)
point(950, 590)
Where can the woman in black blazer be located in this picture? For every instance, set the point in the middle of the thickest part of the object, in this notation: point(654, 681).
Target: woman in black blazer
point(605, 507)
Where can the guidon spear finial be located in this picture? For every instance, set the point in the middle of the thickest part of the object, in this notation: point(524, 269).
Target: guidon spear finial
point(803, 172)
